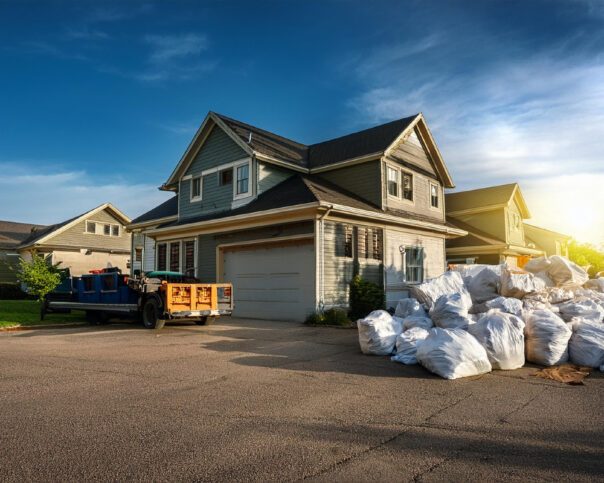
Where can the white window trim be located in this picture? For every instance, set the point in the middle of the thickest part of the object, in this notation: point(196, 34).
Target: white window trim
point(440, 197)
point(412, 174)
point(200, 197)
point(99, 228)
point(399, 176)
point(232, 164)
point(248, 193)
point(398, 182)
point(157, 254)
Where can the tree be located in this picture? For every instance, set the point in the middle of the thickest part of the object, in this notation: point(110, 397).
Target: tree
point(585, 254)
point(40, 276)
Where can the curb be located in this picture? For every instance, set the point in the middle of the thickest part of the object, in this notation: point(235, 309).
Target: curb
point(19, 328)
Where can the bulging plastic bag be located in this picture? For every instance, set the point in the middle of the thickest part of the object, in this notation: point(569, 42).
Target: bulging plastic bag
point(583, 308)
point(518, 283)
point(505, 304)
point(450, 311)
point(378, 332)
point(596, 284)
point(586, 345)
point(502, 336)
point(409, 307)
point(536, 265)
point(448, 283)
point(417, 321)
point(559, 269)
point(453, 353)
point(407, 343)
point(546, 338)
point(482, 281)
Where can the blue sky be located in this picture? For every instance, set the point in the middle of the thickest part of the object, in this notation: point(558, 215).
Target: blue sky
point(98, 100)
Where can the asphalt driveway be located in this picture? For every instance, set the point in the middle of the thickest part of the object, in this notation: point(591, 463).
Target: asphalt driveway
point(256, 400)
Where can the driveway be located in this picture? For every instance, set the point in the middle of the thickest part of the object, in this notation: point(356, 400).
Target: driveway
point(257, 400)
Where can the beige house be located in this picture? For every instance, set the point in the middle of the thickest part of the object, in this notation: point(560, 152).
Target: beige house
point(551, 242)
point(494, 219)
point(94, 240)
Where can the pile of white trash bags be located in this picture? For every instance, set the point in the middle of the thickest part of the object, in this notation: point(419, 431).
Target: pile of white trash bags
point(477, 318)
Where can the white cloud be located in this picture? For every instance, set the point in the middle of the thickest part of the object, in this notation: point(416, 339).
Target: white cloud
point(31, 196)
point(166, 48)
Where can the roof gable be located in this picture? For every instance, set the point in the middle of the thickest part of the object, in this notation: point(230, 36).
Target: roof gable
point(484, 199)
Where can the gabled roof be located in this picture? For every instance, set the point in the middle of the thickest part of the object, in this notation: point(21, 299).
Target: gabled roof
point(483, 199)
point(270, 147)
point(475, 237)
point(47, 232)
point(167, 209)
point(12, 234)
point(544, 231)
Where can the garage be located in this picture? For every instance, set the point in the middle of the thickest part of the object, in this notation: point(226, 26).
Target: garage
point(272, 281)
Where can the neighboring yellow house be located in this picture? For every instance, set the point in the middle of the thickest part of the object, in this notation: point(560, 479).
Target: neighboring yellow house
point(493, 218)
point(551, 242)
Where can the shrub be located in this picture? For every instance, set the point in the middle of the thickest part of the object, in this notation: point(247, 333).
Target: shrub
point(329, 317)
point(39, 276)
point(365, 297)
point(12, 291)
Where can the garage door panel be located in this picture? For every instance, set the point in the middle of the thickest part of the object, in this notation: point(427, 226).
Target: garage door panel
point(273, 283)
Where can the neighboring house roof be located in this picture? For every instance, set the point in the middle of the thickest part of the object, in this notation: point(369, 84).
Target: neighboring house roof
point(167, 209)
point(486, 198)
point(475, 237)
point(545, 231)
point(39, 236)
point(12, 234)
point(375, 141)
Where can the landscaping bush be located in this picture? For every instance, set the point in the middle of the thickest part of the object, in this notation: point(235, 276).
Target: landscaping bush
point(365, 297)
point(12, 291)
point(329, 317)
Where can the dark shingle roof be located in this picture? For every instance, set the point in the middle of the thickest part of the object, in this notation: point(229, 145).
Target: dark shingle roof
point(12, 234)
point(34, 236)
point(475, 236)
point(167, 208)
point(492, 195)
point(368, 141)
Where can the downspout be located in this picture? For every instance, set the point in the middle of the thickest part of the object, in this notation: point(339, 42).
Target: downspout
point(322, 257)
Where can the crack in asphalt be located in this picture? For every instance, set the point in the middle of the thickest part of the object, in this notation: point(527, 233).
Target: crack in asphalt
point(504, 419)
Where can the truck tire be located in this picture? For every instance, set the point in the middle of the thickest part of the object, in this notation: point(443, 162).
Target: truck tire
point(206, 320)
point(151, 314)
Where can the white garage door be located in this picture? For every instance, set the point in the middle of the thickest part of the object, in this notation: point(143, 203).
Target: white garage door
point(274, 282)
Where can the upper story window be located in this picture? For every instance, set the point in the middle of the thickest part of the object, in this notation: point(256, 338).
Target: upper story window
point(107, 229)
point(90, 227)
point(243, 179)
point(225, 177)
point(407, 186)
point(392, 181)
point(434, 195)
point(414, 264)
point(196, 188)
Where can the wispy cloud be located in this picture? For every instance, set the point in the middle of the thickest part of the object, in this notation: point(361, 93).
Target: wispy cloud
point(86, 33)
point(53, 50)
point(166, 48)
point(62, 194)
point(179, 128)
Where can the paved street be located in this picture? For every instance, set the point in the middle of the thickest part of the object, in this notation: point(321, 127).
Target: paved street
point(254, 400)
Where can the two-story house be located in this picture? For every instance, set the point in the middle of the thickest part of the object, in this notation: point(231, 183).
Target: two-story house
point(493, 218)
point(289, 224)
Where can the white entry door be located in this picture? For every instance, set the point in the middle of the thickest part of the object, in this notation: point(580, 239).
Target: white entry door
point(275, 282)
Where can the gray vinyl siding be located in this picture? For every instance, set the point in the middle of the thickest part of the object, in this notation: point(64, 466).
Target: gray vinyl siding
point(218, 149)
point(207, 244)
point(412, 151)
point(364, 180)
point(76, 236)
point(339, 270)
point(270, 176)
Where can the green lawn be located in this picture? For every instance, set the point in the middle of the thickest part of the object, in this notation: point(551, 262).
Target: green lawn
point(17, 313)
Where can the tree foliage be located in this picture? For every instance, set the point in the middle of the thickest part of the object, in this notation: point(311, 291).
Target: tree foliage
point(40, 276)
point(586, 254)
point(365, 297)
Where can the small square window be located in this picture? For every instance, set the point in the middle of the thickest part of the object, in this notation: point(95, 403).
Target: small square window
point(107, 229)
point(226, 177)
point(115, 230)
point(90, 227)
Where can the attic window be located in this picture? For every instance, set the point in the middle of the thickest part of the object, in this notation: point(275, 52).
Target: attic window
point(107, 229)
point(392, 182)
point(226, 176)
point(196, 188)
point(90, 227)
point(115, 230)
point(433, 195)
point(243, 177)
point(407, 186)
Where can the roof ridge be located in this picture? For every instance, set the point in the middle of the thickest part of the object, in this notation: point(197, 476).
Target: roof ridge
point(482, 189)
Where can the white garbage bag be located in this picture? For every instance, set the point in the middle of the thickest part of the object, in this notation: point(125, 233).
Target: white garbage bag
point(583, 308)
point(502, 335)
point(408, 307)
point(536, 265)
point(407, 343)
point(596, 284)
point(545, 278)
point(545, 338)
point(482, 281)
point(518, 283)
point(586, 345)
point(505, 304)
point(448, 283)
point(556, 295)
point(564, 272)
point(450, 312)
point(378, 332)
point(417, 321)
point(452, 353)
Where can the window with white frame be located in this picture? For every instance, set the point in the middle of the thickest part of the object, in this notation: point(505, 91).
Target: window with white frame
point(414, 264)
point(115, 230)
point(90, 227)
point(392, 181)
point(434, 195)
point(225, 177)
point(407, 185)
point(99, 228)
point(196, 188)
point(243, 178)
point(161, 252)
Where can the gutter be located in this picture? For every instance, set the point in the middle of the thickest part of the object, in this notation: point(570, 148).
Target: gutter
point(322, 256)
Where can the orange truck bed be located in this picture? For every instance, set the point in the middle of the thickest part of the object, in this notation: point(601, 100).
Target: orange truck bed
point(198, 299)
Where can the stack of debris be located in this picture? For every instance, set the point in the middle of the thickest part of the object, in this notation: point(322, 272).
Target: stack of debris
point(482, 317)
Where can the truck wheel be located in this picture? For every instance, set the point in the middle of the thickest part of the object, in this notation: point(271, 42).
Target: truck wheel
point(206, 320)
point(151, 314)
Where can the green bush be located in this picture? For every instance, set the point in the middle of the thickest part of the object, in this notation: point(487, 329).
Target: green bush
point(329, 317)
point(39, 275)
point(12, 291)
point(365, 297)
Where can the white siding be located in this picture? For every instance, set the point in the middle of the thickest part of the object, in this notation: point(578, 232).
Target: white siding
point(148, 254)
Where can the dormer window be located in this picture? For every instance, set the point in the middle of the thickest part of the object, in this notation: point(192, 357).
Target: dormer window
point(196, 188)
point(243, 178)
point(225, 176)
